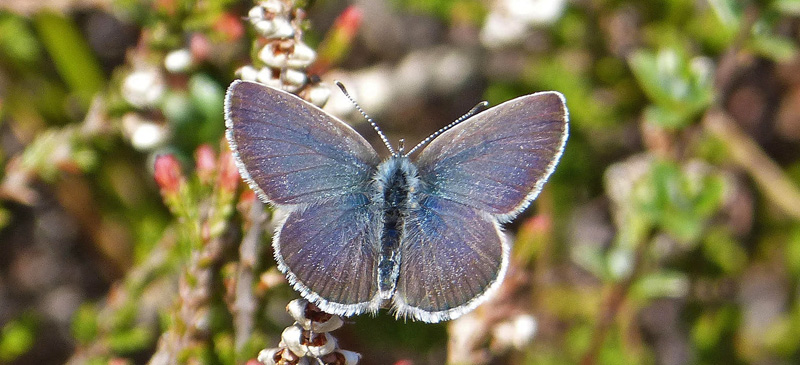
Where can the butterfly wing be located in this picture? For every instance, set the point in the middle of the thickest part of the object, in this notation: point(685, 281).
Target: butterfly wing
point(498, 160)
point(452, 257)
point(474, 176)
point(316, 170)
point(328, 255)
point(291, 152)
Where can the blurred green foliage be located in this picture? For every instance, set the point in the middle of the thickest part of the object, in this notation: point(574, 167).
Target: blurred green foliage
point(71, 55)
point(679, 88)
point(17, 337)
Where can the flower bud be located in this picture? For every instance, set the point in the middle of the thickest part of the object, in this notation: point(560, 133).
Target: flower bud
point(205, 163)
point(168, 174)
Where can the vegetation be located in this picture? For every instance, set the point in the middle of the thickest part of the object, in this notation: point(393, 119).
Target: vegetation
point(669, 233)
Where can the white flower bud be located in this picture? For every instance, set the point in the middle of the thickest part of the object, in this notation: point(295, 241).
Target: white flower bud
point(350, 357)
point(292, 337)
point(297, 309)
point(318, 95)
point(516, 332)
point(267, 356)
point(301, 57)
point(283, 29)
point(272, 56)
point(256, 14)
point(248, 73)
point(273, 6)
point(179, 60)
point(143, 88)
point(267, 77)
point(145, 135)
point(264, 27)
point(293, 77)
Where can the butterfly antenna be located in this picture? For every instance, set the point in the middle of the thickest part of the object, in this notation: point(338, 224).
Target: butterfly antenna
point(477, 108)
point(367, 117)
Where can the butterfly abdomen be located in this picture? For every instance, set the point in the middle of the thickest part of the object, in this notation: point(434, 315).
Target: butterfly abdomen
point(396, 179)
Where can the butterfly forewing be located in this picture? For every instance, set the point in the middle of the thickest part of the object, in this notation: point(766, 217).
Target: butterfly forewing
point(498, 160)
point(292, 152)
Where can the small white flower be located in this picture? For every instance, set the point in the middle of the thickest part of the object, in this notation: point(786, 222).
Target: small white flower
point(517, 332)
point(350, 357)
point(179, 60)
point(272, 56)
point(318, 94)
point(297, 309)
point(256, 14)
point(292, 337)
point(248, 73)
point(264, 27)
point(282, 29)
point(143, 88)
point(536, 12)
point(620, 262)
point(301, 57)
point(293, 78)
point(501, 30)
point(267, 77)
point(144, 135)
point(148, 136)
point(267, 356)
point(508, 22)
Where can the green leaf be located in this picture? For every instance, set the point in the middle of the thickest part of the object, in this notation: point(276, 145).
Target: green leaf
point(17, 338)
point(661, 284)
point(792, 253)
point(788, 7)
point(720, 248)
point(585, 109)
point(71, 55)
point(679, 87)
point(777, 48)
point(710, 328)
point(729, 13)
point(666, 118)
point(18, 44)
point(84, 323)
point(132, 340)
point(679, 200)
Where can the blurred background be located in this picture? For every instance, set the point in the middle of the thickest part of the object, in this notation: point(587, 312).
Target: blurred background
point(669, 233)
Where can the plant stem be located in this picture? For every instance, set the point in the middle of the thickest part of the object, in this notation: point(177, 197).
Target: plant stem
point(245, 304)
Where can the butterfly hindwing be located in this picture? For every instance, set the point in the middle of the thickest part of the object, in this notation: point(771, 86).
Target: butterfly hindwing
point(290, 151)
point(329, 255)
point(452, 257)
point(498, 160)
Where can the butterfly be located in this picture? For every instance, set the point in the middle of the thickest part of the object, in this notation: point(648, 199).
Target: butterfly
point(420, 233)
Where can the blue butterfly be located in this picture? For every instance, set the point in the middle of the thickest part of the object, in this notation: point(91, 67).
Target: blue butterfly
point(420, 234)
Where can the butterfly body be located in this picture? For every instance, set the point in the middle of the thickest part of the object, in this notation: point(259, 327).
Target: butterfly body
point(396, 184)
point(421, 234)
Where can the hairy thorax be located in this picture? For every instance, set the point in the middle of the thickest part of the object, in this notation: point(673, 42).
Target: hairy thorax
point(396, 183)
